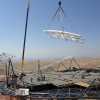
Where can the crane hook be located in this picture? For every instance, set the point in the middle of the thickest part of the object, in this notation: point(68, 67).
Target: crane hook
point(59, 3)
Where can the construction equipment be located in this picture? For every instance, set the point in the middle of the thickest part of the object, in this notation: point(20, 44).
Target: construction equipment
point(40, 77)
point(73, 64)
point(58, 34)
point(59, 14)
point(11, 77)
point(60, 65)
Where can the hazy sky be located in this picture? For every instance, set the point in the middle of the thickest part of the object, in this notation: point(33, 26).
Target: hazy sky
point(81, 16)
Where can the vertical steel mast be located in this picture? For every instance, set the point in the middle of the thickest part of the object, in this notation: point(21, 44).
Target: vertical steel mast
point(24, 43)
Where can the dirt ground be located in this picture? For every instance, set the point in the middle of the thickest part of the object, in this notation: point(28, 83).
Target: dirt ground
point(54, 64)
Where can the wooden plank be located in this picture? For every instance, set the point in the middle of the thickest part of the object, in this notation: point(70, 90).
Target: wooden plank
point(7, 97)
